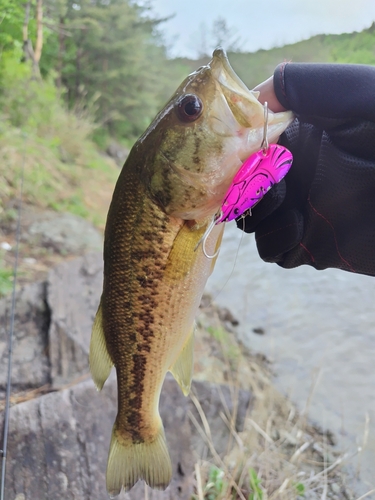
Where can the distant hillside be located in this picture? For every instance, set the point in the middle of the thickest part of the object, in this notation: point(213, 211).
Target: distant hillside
point(254, 67)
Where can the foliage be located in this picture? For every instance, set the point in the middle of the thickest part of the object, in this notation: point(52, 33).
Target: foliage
point(109, 53)
point(255, 67)
point(11, 19)
point(216, 484)
point(6, 279)
point(53, 143)
point(108, 58)
point(354, 47)
point(300, 488)
point(230, 348)
point(106, 73)
point(346, 48)
point(114, 56)
point(255, 486)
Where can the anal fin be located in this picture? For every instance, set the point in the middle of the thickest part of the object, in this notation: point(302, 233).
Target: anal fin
point(182, 369)
point(99, 359)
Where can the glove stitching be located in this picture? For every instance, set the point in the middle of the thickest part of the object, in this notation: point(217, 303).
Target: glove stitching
point(308, 251)
point(282, 79)
point(334, 235)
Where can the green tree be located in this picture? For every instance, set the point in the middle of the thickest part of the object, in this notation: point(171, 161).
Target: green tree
point(354, 47)
point(111, 53)
point(11, 21)
point(106, 56)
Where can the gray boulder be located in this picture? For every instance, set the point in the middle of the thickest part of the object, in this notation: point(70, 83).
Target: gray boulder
point(63, 232)
point(73, 294)
point(52, 327)
point(118, 152)
point(58, 443)
point(30, 367)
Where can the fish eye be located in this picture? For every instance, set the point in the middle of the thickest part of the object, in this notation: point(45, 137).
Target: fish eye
point(189, 107)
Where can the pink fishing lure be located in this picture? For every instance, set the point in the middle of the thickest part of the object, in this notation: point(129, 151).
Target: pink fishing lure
point(256, 176)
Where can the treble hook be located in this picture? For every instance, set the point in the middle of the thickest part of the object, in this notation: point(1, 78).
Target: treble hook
point(207, 233)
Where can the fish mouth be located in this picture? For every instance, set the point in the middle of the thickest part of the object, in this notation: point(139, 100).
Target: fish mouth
point(243, 103)
point(223, 71)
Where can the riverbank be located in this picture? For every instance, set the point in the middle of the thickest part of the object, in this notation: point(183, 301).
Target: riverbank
point(278, 452)
point(277, 449)
point(317, 328)
point(263, 447)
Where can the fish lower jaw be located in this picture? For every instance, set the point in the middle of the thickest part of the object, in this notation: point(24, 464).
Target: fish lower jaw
point(253, 139)
point(277, 124)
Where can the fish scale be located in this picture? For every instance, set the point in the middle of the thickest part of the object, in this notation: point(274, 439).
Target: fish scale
point(136, 270)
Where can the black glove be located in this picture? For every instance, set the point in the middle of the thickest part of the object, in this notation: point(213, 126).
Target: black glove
point(323, 212)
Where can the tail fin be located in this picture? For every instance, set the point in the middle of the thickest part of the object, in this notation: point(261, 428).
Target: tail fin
point(128, 463)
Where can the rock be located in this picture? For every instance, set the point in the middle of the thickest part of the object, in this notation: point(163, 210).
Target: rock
point(64, 233)
point(227, 317)
point(52, 327)
point(118, 152)
point(335, 488)
point(74, 289)
point(58, 443)
point(30, 366)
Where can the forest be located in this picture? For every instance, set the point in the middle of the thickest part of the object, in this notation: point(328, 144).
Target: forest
point(105, 57)
point(108, 59)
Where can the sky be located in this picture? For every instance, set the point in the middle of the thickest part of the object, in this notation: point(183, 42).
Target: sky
point(261, 24)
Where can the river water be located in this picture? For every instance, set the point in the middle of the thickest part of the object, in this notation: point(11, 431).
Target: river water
point(319, 331)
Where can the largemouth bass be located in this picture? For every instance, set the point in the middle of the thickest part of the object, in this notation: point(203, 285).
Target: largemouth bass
point(155, 271)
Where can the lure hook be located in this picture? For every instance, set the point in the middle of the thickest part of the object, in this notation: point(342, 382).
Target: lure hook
point(264, 146)
point(207, 233)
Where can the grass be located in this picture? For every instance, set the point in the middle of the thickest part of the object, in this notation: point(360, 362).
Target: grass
point(277, 455)
point(6, 280)
point(82, 187)
point(51, 145)
point(51, 182)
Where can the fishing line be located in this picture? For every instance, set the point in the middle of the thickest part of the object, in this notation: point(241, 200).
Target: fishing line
point(264, 147)
point(11, 328)
point(234, 263)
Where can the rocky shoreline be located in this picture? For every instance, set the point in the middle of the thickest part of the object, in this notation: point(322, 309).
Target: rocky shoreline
point(235, 421)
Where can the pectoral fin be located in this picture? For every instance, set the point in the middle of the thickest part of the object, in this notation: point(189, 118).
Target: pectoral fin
point(99, 359)
point(183, 255)
point(182, 369)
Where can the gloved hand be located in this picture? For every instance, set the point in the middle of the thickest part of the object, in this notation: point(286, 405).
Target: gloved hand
point(323, 212)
